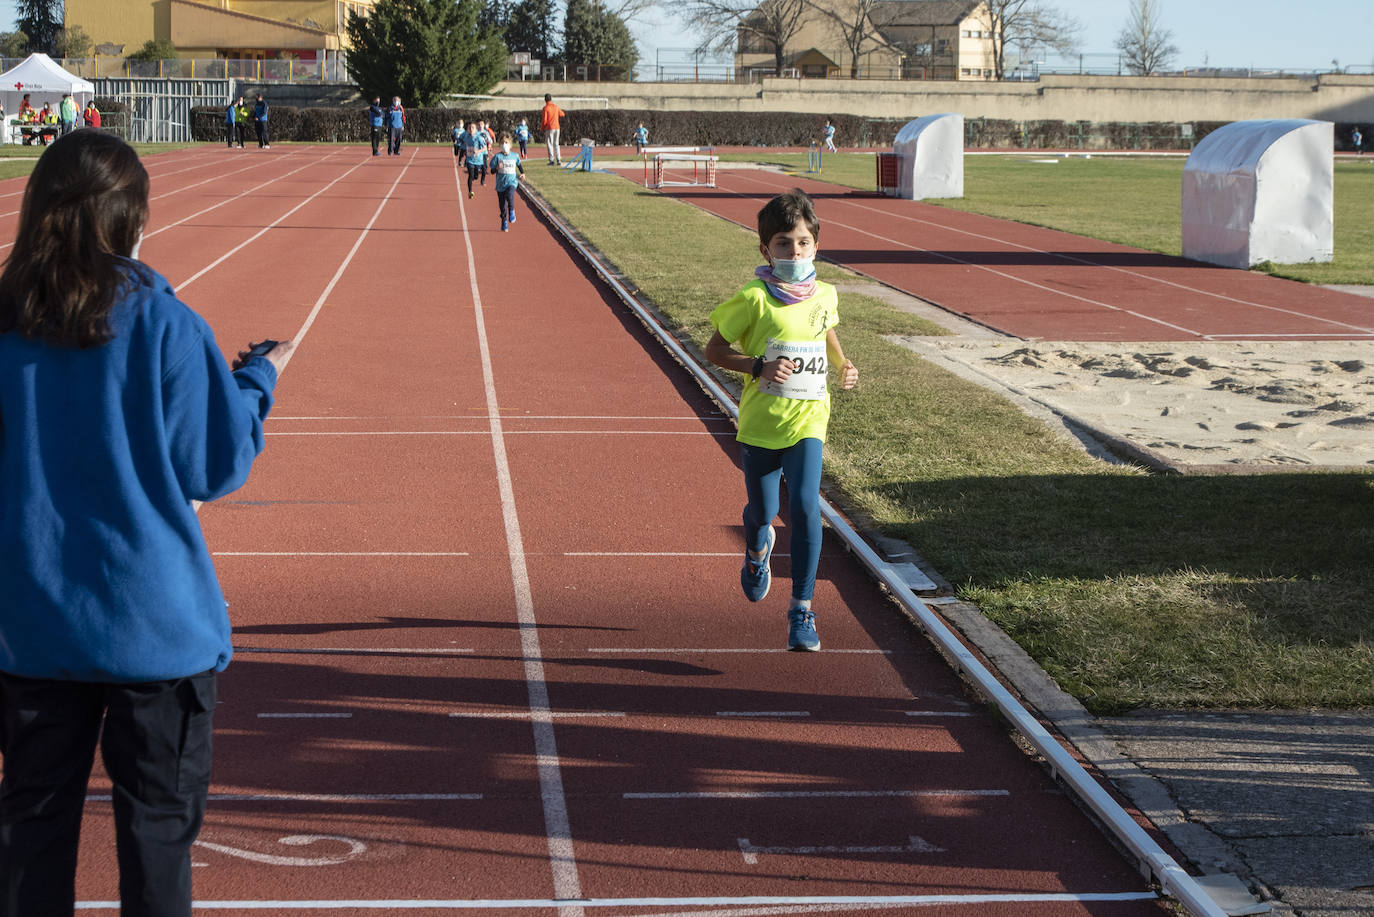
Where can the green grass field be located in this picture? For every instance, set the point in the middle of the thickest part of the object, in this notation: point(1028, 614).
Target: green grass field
point(1131, 200)
point(17, 160)
point(1131, 589)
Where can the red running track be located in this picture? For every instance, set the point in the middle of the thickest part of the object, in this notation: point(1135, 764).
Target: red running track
point(492, 653)
point(1042, 284)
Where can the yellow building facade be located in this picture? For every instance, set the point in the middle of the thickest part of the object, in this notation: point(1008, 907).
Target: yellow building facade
point(307, 30)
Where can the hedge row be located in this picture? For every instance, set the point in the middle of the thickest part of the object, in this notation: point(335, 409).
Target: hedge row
point(699, 128)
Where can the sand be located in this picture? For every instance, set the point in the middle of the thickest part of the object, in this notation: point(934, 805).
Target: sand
point(1250, 405)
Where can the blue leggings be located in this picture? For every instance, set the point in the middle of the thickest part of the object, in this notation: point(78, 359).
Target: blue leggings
point(800, 463)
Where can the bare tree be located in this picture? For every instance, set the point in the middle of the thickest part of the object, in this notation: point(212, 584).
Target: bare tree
point(729, 25)
point(859, 23)
point(1145, 46)
point(1027, 24)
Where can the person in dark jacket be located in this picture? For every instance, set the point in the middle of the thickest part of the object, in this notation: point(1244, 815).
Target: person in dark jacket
point(118, 413)
point(396, 122)
point(260, 123)
point(376, 117)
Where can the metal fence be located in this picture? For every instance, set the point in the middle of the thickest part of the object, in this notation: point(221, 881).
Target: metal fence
point(160, 109)
point(331, 70)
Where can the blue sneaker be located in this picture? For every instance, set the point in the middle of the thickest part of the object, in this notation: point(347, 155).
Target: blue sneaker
point(754, 576)
point(512, 219)
point(801, 631)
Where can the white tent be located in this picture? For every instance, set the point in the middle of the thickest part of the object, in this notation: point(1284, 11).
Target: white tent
point(931, 157)
point(1260, 191)
point(44, 81)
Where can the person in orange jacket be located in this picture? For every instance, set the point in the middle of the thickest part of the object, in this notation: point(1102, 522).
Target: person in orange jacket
point(550, 123)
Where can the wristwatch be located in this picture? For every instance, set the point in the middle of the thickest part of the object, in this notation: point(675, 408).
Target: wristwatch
point(758, 367)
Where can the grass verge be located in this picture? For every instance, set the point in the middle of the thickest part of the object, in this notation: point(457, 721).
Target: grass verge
point(1133, 201)
point(17, 160)
point(1130, 589)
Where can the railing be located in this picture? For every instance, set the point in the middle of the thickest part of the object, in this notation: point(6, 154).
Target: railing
point(203, 68)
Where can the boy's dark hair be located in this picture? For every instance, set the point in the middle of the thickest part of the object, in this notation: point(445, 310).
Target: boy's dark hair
point(786, 211)
point(84, 206)
point(548, 97)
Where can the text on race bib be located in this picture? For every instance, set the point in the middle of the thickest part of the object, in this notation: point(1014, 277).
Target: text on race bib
point(807, 382)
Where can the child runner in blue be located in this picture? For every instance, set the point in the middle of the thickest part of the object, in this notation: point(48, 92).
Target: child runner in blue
point(784, 325)
point(830, 136)
point(506, 166)
point(459, 148)
point(641, 138)
point(475, 155)
point(522, 136)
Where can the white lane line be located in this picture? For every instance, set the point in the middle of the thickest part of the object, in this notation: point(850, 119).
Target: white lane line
point(305, 716)
point(566, 884)
point(272, 225)
point(356, 651)
point(938, 713)
point(818, 794)
point(553, 714)
point(339, 554)
point(684, 651)
point(564, 904)
point(326, 797)
point(348, 259)
point(762, 713)
point(1084, 261)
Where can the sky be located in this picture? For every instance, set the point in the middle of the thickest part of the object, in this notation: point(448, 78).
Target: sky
point(1267, 34)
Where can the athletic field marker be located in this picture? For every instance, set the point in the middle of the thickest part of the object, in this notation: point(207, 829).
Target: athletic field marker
point(914, 845)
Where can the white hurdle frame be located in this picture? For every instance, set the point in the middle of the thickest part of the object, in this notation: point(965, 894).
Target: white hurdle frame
point(656, 151)
point(696, 159)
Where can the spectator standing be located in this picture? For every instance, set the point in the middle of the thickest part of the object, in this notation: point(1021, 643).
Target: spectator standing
point(260, 123)
point(1357, 139)
point(113, 626)
point(241, 120)
point(396, 123)
point(522, 136)
point(376, 117)
point(67, 113)
point(231, 117)
point(91, 114)
point(549, 120)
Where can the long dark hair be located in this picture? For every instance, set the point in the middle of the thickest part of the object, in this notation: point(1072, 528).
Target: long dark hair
point(84, 207)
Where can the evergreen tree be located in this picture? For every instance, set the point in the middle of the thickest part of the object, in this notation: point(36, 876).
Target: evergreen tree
point(421, 50)
point(533, 27)
point(40, 20)
point(595, 38)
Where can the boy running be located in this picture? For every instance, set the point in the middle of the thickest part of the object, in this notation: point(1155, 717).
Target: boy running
point(522, 136)
point(459, 134)
point(641, 138)
point(830, 136)
point(506, 166)
point(475, 155)
point(784, 323)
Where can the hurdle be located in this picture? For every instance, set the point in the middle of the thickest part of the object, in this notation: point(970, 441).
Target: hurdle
point(887, 177)
point(583, 161)
point(703, 165)
point(813, 159)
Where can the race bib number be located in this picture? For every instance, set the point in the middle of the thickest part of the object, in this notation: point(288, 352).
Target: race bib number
point(807, 382)
point(508, 167)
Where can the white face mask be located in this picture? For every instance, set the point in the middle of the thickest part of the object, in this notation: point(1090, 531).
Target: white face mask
point(505, 147)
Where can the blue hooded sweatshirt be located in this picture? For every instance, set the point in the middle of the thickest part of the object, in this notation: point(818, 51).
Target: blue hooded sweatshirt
point(104, 573)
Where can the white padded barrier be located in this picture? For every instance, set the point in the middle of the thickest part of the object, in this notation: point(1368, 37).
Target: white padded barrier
point(1257, 191)
point(930, 154)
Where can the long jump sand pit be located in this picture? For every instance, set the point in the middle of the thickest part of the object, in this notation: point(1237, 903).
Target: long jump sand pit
point(1250, 405)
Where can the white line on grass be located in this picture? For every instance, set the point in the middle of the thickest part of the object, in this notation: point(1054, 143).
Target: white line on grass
point(566, 884)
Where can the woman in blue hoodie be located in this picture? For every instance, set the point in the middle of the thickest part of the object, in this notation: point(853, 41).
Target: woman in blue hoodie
point(117, 412)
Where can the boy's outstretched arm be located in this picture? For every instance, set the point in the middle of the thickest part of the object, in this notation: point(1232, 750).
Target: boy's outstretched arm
point(849, 375)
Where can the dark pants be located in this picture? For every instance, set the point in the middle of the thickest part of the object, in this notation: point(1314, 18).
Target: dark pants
point(393, 143)
point(764, 469)
point(156, 745)
point(230, 133)
point(475, 172)
point(377, 133)
point(261, 127)
point(505, 199)
point(522, 149)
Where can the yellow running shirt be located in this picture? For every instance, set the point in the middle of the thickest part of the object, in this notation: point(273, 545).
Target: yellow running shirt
point(751, 319)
